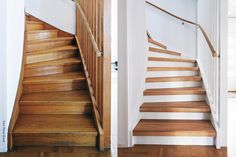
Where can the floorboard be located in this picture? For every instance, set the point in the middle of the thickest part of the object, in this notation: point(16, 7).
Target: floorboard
point(171, 151)
point(56, 152)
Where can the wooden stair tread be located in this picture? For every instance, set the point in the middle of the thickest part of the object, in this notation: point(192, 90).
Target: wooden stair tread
point(171, 59)
point(173, 79)
point(34, 22)
point(191, 106)
point(56, 78)
point(66, 96)
point(175, 91)
point(59, 62)
point(174, 128)
point(157, 43)
point(172, 68)
point(74, 124)
point(51, 50)
point(41, 31)
point(50, 40)
point(164, 51)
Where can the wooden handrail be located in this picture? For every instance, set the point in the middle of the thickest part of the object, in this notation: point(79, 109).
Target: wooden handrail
point(213, 51)
point(95, 46)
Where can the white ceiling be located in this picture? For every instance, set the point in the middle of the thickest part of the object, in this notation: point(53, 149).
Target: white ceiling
point(232, 8)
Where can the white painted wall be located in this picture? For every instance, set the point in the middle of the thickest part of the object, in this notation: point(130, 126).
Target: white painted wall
point(132, 66)
point(114, 85)
point(12, 23)
point(232, 46)
point(218, 36)
point(122, 75)
point(59, 13)
point(232, 54)
point(170, 31)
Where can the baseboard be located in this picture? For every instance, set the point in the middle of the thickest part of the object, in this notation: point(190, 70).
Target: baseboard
point(3, 149)
point(170, 140)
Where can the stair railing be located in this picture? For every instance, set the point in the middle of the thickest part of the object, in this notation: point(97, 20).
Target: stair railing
point(209, 67)
point(213, 51)
point(90, 19)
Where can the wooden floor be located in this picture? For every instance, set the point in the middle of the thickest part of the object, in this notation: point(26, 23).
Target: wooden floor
point(171, 151)
point(56, 152)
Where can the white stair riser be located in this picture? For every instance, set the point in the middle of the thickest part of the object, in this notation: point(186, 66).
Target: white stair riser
point(175, 115)
point(170, 64)
point(174, 140)
point(157, 54)
point(153, 85)
point(171, 73)
point(173, 98)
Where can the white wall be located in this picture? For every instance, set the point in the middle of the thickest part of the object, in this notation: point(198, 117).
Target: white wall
point(232, 46)
point(122, 75)
point(114, 107)
point(218, 35)
point(232, 54)
point(132, 66)
point(170, 31)
point(11, 57)
point(59, 13)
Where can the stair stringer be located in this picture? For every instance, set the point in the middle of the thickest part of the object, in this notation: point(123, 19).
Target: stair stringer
point(213, 117)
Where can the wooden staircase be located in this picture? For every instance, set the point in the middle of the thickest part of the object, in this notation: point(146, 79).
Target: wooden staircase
point(55, 108)
point(175, 110)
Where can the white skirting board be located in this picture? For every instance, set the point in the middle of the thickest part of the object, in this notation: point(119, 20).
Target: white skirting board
point(173, 98)
point(3, 150)
point(171, 140)
point(175, 115)
point(182, 84)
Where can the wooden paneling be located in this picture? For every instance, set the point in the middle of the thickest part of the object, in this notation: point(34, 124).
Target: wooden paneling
point(93, 34)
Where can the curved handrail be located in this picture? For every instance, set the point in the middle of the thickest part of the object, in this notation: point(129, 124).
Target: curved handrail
point(213, 51)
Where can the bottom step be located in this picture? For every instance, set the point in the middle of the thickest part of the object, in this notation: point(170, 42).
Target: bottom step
point(174, 132)
point(174, 128)
point(54, 130)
